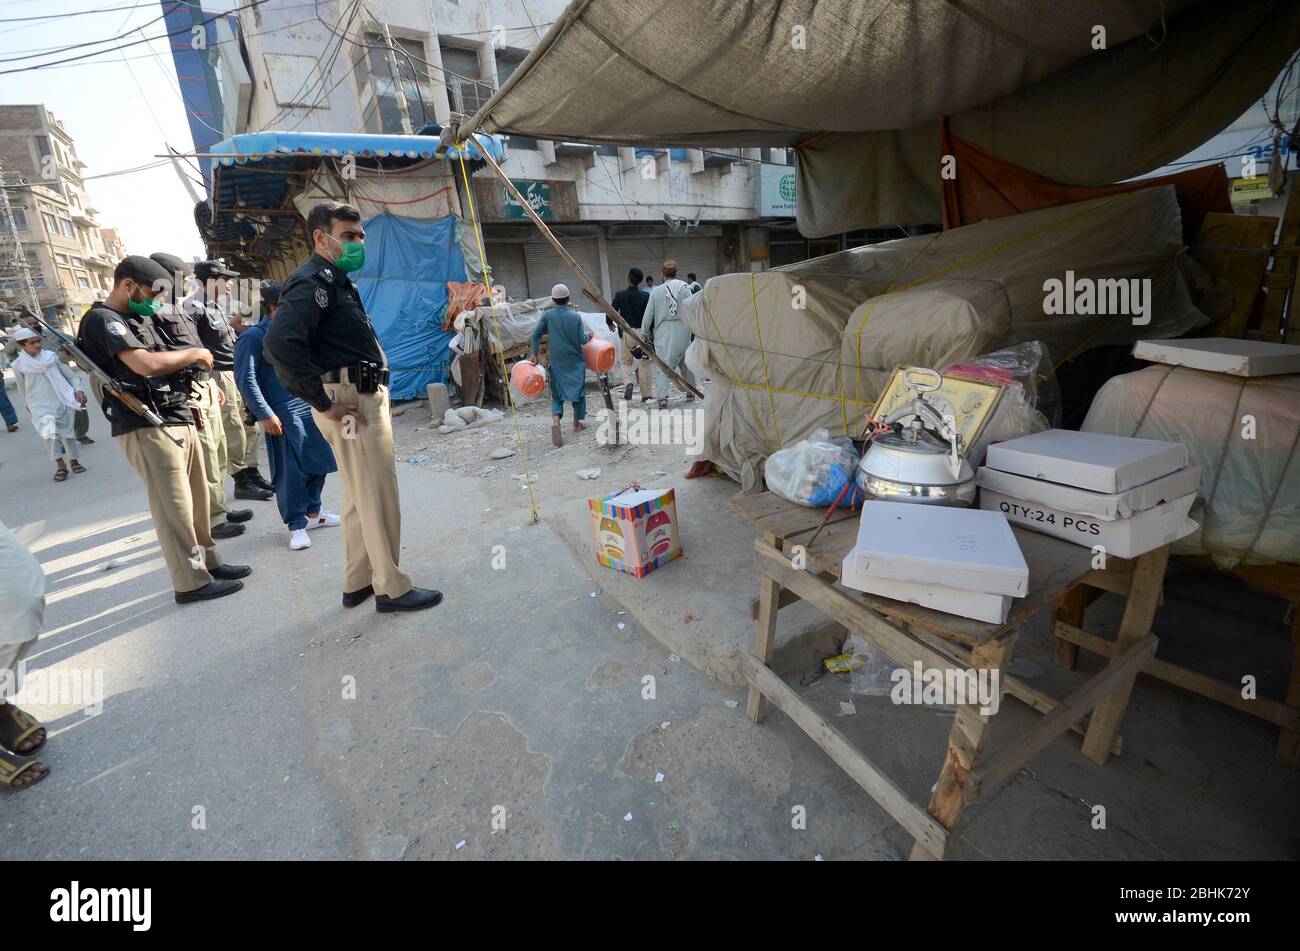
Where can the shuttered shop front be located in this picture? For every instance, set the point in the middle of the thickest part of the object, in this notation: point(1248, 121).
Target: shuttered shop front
point(546, 268)
point(698, 255)
point(627, 253)
point(509, 268)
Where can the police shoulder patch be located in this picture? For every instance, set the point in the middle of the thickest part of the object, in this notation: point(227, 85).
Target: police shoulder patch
point(116, 328)
point(322, 297)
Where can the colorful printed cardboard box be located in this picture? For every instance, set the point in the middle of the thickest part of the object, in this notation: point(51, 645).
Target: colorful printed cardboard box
point(635, 529)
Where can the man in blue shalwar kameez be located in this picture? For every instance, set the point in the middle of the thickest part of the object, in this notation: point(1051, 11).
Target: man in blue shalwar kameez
point(566, 334)
point(299, 455)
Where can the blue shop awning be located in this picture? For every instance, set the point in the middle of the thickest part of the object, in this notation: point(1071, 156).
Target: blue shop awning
point(255, 146)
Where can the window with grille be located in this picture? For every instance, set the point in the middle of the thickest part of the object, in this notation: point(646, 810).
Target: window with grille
point(467, 91)
point(378, 86)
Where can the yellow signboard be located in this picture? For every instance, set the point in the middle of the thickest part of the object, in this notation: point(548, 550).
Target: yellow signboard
point(1250, 189)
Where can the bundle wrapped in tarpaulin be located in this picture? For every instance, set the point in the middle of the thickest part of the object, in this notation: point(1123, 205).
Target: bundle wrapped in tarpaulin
point(1243, 433)
point(809, 346)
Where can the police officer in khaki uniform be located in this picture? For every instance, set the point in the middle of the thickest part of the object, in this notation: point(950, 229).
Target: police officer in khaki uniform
point(180, 331)
point(209, 307)
point(119, 335)
point(324, 349)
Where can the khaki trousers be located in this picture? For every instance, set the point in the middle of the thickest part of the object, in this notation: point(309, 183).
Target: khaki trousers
point(372, 516)
point(212, 445)
point(643, 371)
point(252, 439)
point(178, 500)
point(232, 421)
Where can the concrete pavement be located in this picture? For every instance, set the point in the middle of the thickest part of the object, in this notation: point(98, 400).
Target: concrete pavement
point(514, 718)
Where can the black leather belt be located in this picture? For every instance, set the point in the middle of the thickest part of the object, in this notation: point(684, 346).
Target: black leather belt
point(358, 375)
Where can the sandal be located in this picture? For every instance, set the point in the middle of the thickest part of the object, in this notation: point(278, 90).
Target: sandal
point(557, 435)
point(15, 726)
point(60, 475)
point(11, 769)
point(77, 466)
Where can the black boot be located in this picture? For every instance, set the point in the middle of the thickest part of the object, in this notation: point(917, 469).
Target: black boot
point(256, 479)
point(246, 488)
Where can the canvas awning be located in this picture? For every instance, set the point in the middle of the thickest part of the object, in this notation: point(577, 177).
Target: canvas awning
point(247, 215)
point(858, 86)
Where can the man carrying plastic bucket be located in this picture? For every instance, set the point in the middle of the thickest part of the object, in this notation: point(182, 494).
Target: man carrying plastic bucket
point(566, 336)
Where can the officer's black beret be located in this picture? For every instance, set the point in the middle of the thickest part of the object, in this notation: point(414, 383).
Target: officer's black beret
point(172, 263)
point(271, 293)
point(144, 271)
point(205, 270)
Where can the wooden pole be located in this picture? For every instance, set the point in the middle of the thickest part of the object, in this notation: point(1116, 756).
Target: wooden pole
point(590, 291)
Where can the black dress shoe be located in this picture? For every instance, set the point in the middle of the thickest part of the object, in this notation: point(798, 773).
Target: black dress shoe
point(85, 440)
point(417, 599)
point(230, 572)
point(226, 530)
point(352, 598)
point(239, 515)
point(216, 588)
point(250, 491)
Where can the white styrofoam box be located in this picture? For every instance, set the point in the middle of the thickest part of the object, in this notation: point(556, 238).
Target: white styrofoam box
point(934, 544)
point(1223, 355)
point(1123, 537)
point(1095, 461)
point(1103, 505)
point(992, 608)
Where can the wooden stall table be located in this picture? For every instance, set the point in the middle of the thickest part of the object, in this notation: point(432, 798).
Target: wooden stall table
point(908, 633)
point(1280, 581)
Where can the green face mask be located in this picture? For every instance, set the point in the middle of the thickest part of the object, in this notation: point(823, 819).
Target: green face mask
point(147, 307)
point(352, 255)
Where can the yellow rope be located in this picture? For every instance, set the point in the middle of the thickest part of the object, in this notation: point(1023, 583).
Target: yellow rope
point(758, 332)
point(735, 375)
point(844, 399)
point(866, 315)
point(496, 329)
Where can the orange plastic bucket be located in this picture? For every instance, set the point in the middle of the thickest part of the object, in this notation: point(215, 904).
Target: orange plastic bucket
point(599, 354)
point(528, 379)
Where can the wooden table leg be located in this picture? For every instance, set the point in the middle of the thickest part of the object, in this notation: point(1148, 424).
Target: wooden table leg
point(1288, 741)
point(966, 740)
point(769, 597)
point(1140, 611)
point(1069, 608)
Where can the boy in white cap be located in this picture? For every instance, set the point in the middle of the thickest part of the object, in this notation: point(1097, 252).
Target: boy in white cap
point(51, 390)
point(566, 335)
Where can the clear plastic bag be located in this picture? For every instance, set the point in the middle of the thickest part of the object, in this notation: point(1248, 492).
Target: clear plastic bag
point(1027, 365)
point(815, 470)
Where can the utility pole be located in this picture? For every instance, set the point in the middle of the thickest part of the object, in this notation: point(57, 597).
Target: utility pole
point(391, 55)
point(14, 245)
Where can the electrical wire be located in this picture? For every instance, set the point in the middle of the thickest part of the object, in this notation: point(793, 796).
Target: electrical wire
point(122, 46)
point(305, 90)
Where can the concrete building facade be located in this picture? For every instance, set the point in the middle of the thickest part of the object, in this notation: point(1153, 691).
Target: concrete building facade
point(67, 255)
point(402, 66)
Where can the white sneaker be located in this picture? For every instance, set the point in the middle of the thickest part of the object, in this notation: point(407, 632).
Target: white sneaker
point(298, 539)
point(323, 520)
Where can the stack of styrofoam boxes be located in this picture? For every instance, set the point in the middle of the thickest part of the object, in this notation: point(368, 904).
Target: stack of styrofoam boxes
point(959, 560)
point(1127, 495)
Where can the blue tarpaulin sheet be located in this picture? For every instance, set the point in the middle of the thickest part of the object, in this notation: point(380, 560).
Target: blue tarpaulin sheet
point(403, 286)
